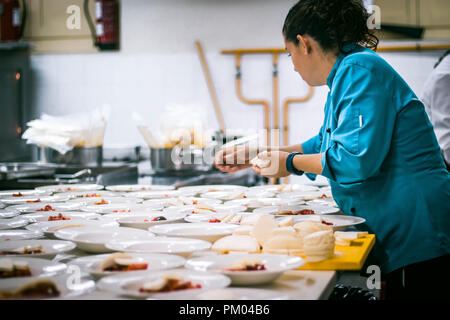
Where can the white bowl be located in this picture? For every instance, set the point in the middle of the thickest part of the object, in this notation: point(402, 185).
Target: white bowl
point(50, 248)
point(144, 220)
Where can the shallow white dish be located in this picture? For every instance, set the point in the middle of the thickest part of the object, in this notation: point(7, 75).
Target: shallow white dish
point(144, 221)
point(92, 194)
point(300, 195)
point(253, 203)
point(275, 266)
point(93, 239)
point(17, 234)
point(171, 245)
point(138, 187)
point(67, 286)
point(34, 199)
point(339, 222)
point(155, 261)
point(129, 284)
point(275, 210)
point(213, 188)
point(39, 267)
point(41, 207)
point(50, 248)
point(201, 209)
point(19, 193)
point(92, 203)
point(48, 227)
point(202, 231)
point(285, 188)
point(72, 215)
point(69, 187)
point(210, 218)
point(122, 208)
point(8, 213)
point(13, 223)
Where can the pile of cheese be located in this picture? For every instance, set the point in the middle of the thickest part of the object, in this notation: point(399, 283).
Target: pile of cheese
point(261, 233)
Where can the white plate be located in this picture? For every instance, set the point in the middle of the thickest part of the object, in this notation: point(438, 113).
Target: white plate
point(317, 209)
point(129, 284)
point(275, 266)
point(48, 227)
point(34, 199)
point(20, 193)
point(65, 283)
point(92, 203)
point(69, 187)
point(213, 188)
point(180, 246)
point(17, 234)
point(13, 223)
point(93, 239)
point(39, 267)
point(8, 213)
point(159, 194)
point(50, 248)
point(205, 218)
point(220, 208)
point(138, 187)
point(263, 202)
point(300, 195)
point(155, 261)
point(202, 231)
point(57, 206)
point(93, 194)
point(144, 221)
point(339, 222)
point(322, 202)
point(73, 215)
point(233, 293)
point(285, 188)
point(122, 208)
point(225, 195)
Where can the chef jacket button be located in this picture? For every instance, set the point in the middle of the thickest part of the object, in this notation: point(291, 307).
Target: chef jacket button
point(352, 210)
point(328, 130)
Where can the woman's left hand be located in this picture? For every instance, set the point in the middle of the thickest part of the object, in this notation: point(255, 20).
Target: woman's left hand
point(277, 168)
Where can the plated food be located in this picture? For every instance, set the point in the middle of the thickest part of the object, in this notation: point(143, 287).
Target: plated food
point(119, 262)
point(69, 187)
point(13, 223)
point(15, 200)
point(163, 284)
point(247, 269)
point(46, 207)
point(59, 216)
point(50, 227)
point(297, 210)
point(12, 267)
point(148, 219)
point(36, 248)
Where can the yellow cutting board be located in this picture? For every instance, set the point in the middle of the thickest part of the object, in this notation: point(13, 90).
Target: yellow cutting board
point(350, 257)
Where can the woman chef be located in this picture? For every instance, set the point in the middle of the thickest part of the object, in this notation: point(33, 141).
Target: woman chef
point(376, 146)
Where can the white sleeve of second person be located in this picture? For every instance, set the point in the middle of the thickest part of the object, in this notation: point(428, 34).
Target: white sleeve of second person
point(437, 102)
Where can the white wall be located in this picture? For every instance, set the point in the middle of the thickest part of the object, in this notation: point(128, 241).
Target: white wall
point(158, 65)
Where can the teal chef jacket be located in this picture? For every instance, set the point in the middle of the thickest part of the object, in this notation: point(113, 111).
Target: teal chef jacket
point(383, 161)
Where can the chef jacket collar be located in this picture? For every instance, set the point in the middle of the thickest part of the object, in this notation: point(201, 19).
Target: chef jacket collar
point(346, 49)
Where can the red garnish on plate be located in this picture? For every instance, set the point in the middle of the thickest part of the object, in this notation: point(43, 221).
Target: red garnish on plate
point(93, 195)
point(159, 218)
point(17, 194)
point(46, 208)
point(58, 217)
point(214, 220)
point(101, 202)
point(307, 211)
point(34, 201)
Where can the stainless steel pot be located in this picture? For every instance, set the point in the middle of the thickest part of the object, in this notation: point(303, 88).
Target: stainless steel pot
point(82, 156)
point(190, 158)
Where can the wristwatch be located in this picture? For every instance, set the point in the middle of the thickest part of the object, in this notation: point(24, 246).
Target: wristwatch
point(290, 166)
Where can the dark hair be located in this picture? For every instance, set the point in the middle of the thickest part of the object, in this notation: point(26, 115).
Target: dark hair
point(331, 23)
point(446, 53)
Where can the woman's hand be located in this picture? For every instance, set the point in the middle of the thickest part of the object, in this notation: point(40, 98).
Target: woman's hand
point(277, 167)
point(235, 158)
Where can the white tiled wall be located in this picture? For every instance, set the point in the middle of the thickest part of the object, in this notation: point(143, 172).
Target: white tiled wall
point(158, 65)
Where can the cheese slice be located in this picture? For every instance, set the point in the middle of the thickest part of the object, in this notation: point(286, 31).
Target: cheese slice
point(263, 228)
point(236, 243)
point(286, 222)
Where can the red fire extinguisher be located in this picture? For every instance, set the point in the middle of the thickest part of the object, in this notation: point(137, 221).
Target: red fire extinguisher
point(106, 29)
point(11, 20)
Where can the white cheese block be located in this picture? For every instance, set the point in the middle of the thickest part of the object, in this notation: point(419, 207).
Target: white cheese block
point(263, 228)
point(236, 243)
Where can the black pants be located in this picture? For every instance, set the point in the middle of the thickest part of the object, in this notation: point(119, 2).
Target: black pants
point(424, 280)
